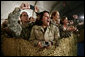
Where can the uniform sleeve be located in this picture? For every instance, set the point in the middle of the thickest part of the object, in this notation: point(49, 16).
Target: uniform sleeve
point(13, 21)
point(56, 33)
point(33, 37)
point(56, 36)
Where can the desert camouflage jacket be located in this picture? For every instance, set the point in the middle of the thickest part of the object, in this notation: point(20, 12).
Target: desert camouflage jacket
point(38, 34)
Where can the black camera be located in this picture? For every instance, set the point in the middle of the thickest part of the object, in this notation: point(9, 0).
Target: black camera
point(45, 44)
point(32, 7)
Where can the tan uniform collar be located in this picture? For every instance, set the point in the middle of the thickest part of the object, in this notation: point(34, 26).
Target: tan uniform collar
point(42, 29)
point(53, 21)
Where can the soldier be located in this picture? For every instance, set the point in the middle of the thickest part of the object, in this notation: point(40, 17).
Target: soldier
point(19, 28)
point(65, 30)
point(78, 24)
point(55, 16)
point(4, 29)
point(55, 20)
point(75, 20)
point(24, 23)
point(44, 34)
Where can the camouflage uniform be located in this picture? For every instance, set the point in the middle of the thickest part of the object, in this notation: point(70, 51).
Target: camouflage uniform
point(26, 29)
point(19, 30)
point(57, 25)
point(13, 22)
point(54, 23)
point(38, 34)
point(64, 33)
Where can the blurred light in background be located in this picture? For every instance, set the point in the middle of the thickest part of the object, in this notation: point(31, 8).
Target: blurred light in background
point(82, 17)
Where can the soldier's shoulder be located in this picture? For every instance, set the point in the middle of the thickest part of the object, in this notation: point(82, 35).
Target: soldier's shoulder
point(16, 9)
point(35, 27)
point(10, 14)
point(53, 26)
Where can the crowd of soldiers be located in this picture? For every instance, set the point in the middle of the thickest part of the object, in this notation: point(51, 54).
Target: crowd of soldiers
point(44, 31)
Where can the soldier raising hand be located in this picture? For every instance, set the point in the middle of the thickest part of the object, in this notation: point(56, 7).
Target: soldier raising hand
point(24, 6)
point(19, 28)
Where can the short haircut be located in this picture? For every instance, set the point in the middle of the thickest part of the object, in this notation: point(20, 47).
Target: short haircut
point(39, 22)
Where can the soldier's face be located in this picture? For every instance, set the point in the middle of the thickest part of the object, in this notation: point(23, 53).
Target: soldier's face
point(65, 21)
point(57, 16)
point(24, 17)
point(46, 19)
point(58, 21)
point(75, 16)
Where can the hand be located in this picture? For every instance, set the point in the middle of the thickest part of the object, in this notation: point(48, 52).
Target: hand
point(81, 23)
point(39, 44)
point(73, 28)
point(24, 6)
point(36, 9)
